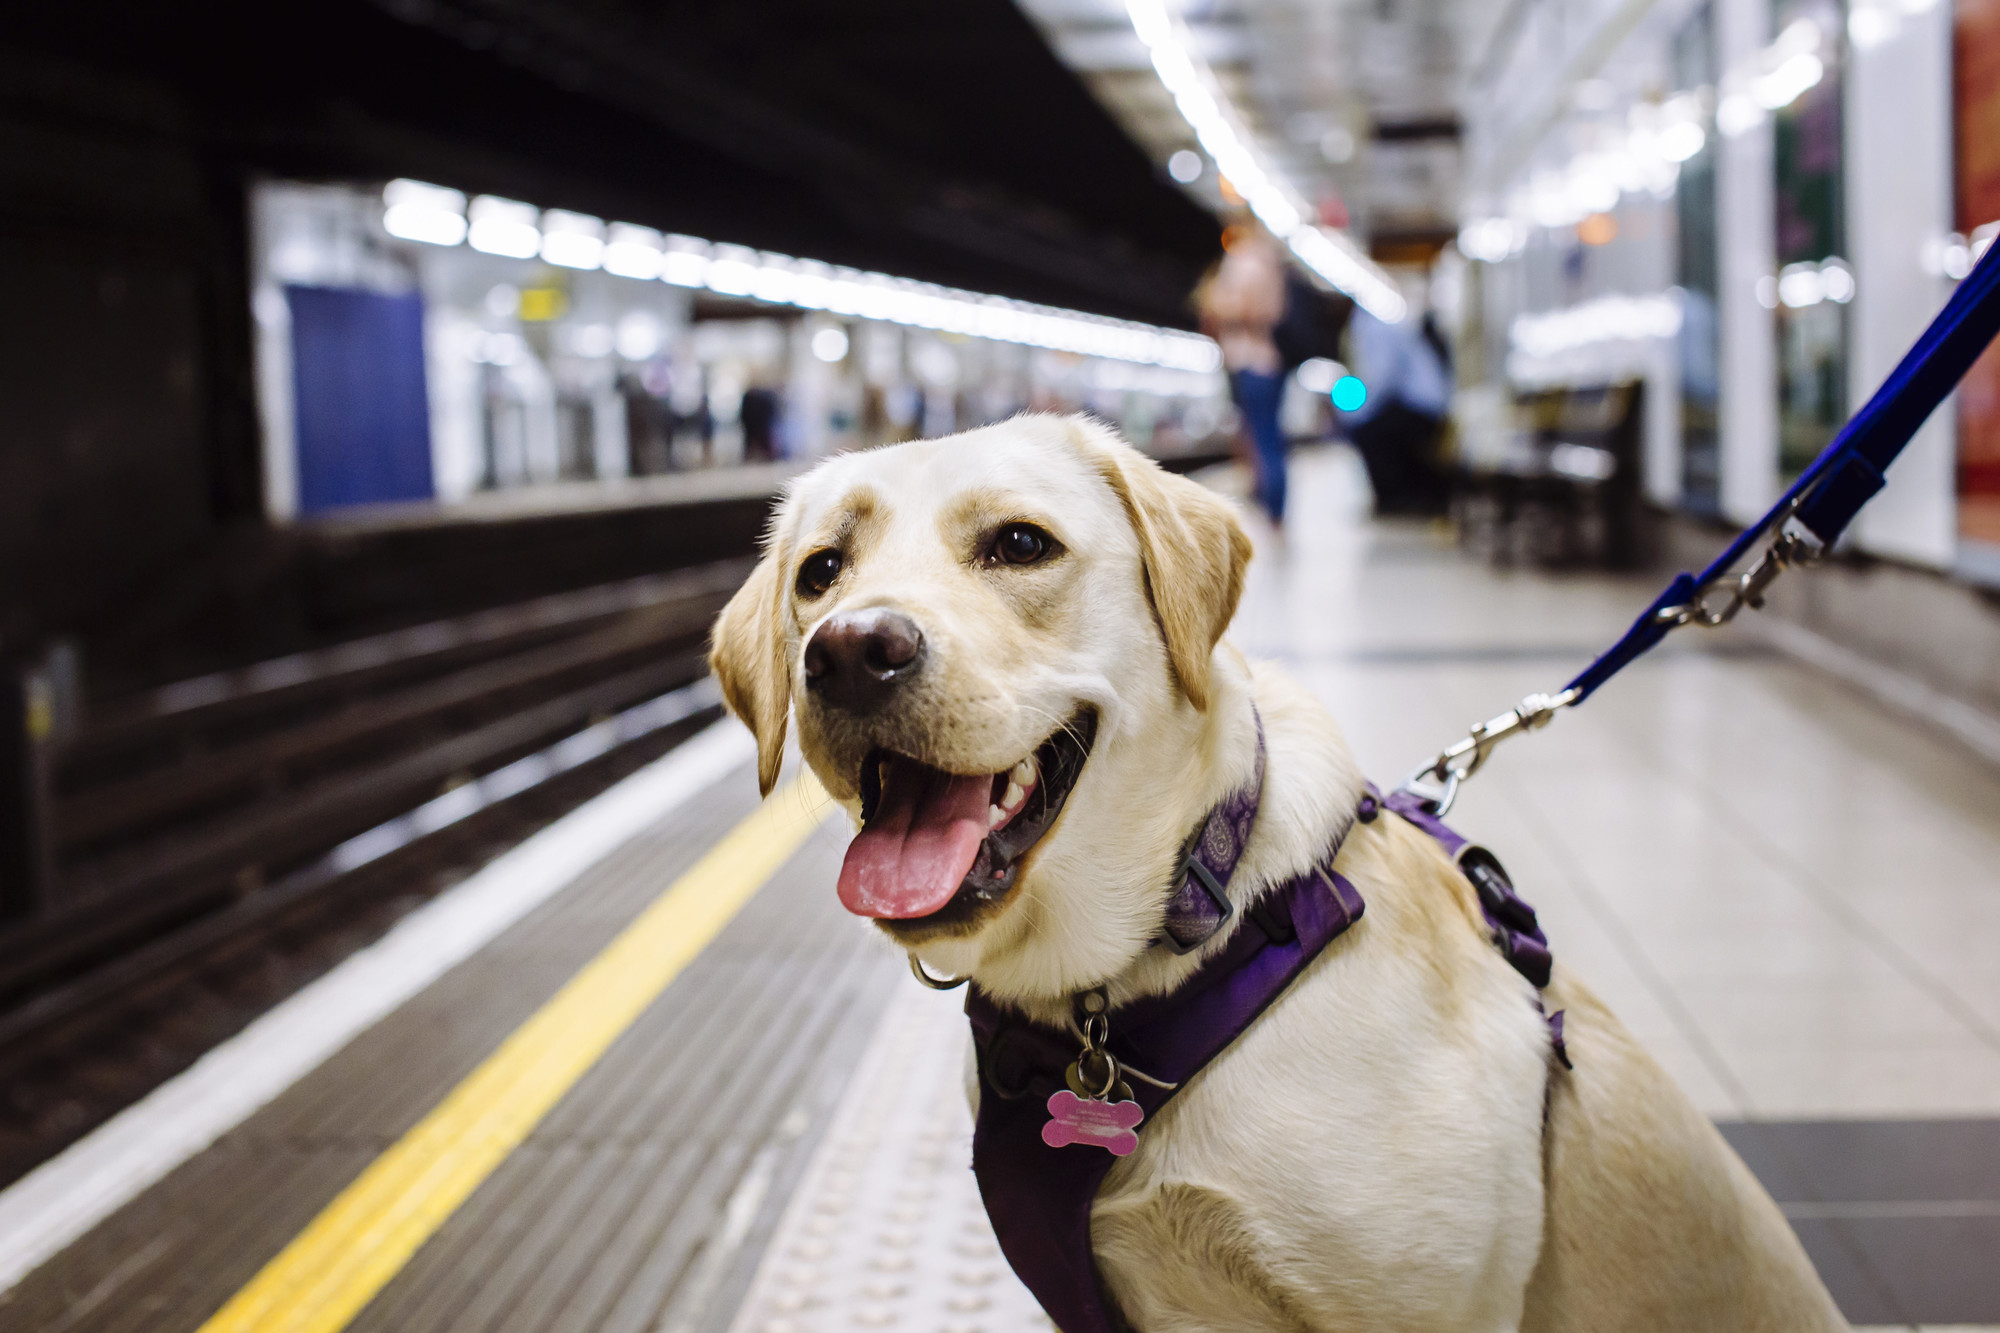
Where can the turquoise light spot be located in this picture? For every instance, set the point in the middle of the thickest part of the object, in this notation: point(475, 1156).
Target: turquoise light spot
point(1349, 393)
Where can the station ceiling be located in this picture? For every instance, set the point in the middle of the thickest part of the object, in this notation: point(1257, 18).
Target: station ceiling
point(937, 141)
point(1355, 101)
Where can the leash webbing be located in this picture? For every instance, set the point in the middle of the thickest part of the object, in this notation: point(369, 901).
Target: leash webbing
point(1810, 517)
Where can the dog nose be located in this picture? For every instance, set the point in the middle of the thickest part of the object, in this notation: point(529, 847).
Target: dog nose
point(856, 659)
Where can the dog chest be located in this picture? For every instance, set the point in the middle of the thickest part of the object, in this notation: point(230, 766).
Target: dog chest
point(1342, 1165)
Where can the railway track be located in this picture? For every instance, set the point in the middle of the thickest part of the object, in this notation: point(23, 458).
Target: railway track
point(219, 842)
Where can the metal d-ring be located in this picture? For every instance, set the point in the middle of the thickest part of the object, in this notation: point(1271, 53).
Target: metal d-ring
point(935, 983)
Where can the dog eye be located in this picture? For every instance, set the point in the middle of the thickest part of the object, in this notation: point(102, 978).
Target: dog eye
point(818, 572)
point(1022, 544)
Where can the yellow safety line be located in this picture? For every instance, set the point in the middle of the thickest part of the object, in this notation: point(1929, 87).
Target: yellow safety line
point(361, 1240)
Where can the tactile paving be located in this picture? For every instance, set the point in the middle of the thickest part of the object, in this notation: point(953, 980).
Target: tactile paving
point(886, 1230)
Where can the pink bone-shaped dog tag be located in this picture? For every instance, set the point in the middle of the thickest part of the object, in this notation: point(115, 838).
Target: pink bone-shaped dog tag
point(1107, 1125)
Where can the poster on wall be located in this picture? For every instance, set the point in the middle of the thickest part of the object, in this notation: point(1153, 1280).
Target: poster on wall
point(1977, 56)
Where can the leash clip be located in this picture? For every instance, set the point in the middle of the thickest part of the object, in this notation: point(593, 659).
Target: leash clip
point(1790, 548)
point(1436, 784)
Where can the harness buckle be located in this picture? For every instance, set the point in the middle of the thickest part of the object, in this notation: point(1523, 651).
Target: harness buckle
point(1225, 909)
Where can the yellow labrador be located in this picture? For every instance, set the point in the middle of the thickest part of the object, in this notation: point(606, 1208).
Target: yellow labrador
point(1004, 653)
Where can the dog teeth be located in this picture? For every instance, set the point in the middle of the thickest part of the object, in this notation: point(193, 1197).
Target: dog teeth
point(1015, 795)
point(994, 814)
point(1024, 773)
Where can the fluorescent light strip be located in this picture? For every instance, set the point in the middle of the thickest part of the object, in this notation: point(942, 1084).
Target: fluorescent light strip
point(431, 214)
point(1218, 128)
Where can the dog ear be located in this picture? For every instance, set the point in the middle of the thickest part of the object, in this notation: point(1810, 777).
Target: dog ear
point(747, 655)
point(1194, 552)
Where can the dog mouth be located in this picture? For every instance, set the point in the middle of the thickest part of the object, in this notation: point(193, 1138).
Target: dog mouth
point(934, 843)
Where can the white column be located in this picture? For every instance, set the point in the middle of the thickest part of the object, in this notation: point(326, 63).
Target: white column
point(1899, 206)
point(1747, 250)
point(458, 428)
point(275, 409)
point(610, 438)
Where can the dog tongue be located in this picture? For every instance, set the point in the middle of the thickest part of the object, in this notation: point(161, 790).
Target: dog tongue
point(920, 845)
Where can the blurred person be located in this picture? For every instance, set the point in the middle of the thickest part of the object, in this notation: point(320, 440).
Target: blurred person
point(759, 418)
point(1407, 369)
point(1241, 302)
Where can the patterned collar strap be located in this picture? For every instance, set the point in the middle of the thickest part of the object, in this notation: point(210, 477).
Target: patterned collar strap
point(1200, 906)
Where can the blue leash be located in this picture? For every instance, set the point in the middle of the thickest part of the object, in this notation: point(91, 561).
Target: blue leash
point(1808, 519)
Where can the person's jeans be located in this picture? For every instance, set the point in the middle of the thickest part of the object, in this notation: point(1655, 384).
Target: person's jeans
point(1258, 394)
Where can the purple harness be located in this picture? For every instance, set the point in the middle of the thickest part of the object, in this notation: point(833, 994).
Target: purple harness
point(1037, 1196)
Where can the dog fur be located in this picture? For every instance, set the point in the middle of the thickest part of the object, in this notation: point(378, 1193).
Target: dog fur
point(1391, 1145)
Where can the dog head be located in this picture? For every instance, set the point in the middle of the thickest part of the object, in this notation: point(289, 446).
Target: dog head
point(1000, 648)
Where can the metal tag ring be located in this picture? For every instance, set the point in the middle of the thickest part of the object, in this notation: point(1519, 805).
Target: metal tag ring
point(1080, 1085)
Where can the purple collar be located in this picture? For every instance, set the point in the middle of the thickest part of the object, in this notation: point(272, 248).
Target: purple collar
point(1199, 907)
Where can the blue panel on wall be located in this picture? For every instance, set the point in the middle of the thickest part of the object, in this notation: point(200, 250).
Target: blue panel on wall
point(362, 412)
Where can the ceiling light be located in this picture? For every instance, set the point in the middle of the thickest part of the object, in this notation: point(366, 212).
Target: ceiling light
point(519, 230)
point(829, 344)
point(1800, 285)
point(419, 212)
point(633, 252)
point(1608, 318)
point(685, 263)
point(1185, 166)
point(1202, 104)
point(1679, 142)
point(1872, 25)
point(1737, 114)
point(572, 240)
point(505, 227)
point(1491, 240)
point(1785, 84)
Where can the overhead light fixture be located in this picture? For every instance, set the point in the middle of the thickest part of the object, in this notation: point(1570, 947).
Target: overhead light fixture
point(572, 240)
point(1219, 129)
point(518, 230)
point(1772, 79)
point(829, 344)
point(1185, 166)
point(1606, 319)
point(633, 252)
point(414, 211)
point(1681, 141)
point(505, 227)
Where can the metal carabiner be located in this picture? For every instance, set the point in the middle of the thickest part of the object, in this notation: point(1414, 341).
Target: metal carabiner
point(1787, 550)
point(1436, 784)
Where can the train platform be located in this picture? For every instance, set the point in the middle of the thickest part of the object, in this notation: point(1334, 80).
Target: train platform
point(641, 1072)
